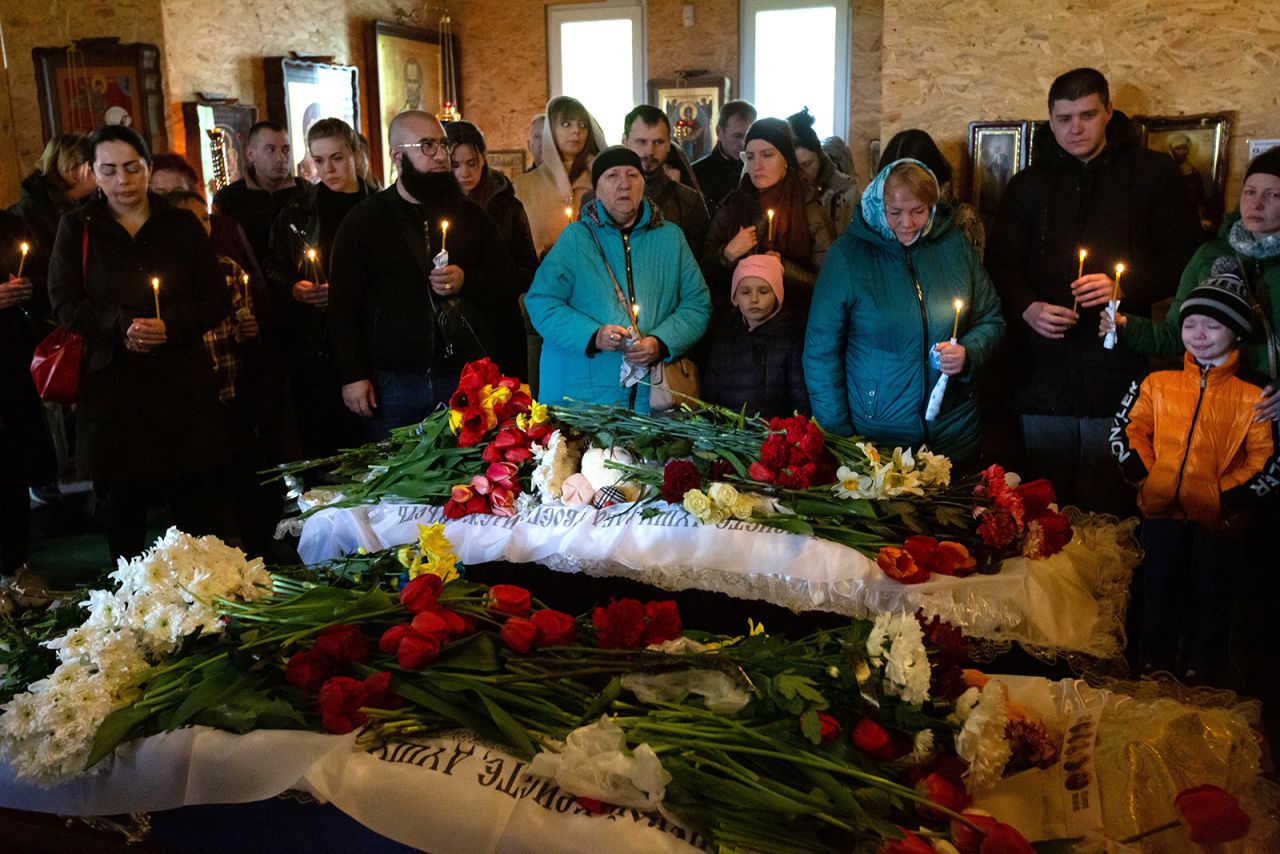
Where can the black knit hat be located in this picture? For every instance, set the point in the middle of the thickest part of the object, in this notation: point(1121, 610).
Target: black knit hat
point(1223, 296)
point(1268, 163)
point(777, 133)
point(614, 155)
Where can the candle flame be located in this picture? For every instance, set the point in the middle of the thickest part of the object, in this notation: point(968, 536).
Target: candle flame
point(770, 213)
point(444, 225)
point(568, 212)
point(1083, 254)
point(959, 304)
point(1119, 269)
point(155, 284)
point(245, 278)
point(25, 248)
point(311, 254)
point(635, 309)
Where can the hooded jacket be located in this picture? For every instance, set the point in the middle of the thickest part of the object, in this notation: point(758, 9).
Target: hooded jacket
point(572, 296)
point(878, 309)
point(1188, 438)
point(1127, 204)
point(760, 369)
point(1141, 335)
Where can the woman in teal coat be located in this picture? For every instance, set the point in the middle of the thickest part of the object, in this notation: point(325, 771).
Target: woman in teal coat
point(883, 312)
point(575, 307)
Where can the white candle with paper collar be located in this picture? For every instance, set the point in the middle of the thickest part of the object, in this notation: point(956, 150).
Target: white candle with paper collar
point(934, 405)
point(442, 257)
point(1113, 305)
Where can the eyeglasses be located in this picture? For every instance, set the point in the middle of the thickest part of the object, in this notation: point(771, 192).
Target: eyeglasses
point(428, 146)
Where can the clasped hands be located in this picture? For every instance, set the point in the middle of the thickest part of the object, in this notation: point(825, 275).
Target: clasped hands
point(612, 338)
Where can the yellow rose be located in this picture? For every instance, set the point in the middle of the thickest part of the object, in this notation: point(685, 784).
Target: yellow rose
point(743, 507)
point(723, 495)
point(698, 504)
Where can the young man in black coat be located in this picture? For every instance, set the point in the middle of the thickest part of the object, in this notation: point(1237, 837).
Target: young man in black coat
point(1093, 187)
point(401, 326)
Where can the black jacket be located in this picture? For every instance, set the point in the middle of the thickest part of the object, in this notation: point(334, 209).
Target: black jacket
point(760, 368)
point(40, 205)
point(719, 176)
point(302, 223)
point(256, 211)
point(1127, 205)
point(381, 307)
point(497, 196)
point(153, 416)
point(682, 205)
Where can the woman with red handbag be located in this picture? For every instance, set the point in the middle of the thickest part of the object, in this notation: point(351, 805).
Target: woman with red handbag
point(150, 426)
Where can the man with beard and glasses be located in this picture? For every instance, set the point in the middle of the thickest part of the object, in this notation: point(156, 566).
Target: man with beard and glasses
point(403, 317)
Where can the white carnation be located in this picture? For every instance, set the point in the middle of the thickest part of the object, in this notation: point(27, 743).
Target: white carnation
point(981, 740)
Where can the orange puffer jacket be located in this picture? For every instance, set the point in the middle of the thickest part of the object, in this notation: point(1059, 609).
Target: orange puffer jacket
point(1189, 439)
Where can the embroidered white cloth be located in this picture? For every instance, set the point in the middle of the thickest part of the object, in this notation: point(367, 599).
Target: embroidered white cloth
point(1073, 602)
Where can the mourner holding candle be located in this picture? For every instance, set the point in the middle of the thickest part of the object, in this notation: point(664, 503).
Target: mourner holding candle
point(1092, 185)
point(883, 316)
point(149, 422)
point(801, 230)
point(403, 318)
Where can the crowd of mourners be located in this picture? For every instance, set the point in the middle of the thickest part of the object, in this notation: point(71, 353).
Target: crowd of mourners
point(284, 319)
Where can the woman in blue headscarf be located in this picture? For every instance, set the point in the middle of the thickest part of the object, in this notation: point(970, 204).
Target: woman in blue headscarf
point(884, 307)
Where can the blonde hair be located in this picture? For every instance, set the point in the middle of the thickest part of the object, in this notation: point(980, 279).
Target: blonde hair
point(63, 153)
point(916, 180)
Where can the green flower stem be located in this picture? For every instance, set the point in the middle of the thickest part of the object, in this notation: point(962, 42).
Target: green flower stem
point(1128, 840)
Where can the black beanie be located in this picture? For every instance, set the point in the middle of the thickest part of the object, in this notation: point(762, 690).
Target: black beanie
point(1268, 163)
point(1223, 296)
point(777, 133)
point(614, 155)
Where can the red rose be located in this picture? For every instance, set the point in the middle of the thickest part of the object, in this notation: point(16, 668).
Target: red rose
point(555, 628)
point(942, 792)
point(519, 634)
point(340, 700)
point(869, 736)
point(620, 625)
point(431, 623)
point(678, 477)
point(910, 844)
point(378, 693)
point(1211, 815)
point(390, 640)
point(421, 594)
point(417, 650)
point(1004, 839)
point(509, 599)
point(966, 839)
point(309, 669)
point(662, 622)
point(830, 727)
point(900, 565)
point(761, 472)
point(1036, 497)
point(343, 643)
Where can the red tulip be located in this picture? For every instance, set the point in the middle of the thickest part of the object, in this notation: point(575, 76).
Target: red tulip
point(519, 634)
point(910, 844)
point(942, 792)
point(830, 728)
point(421, 594)
point(874, 739)
point(1004, 839)
point(966, 839)
point(555, 628)
point(509, 599)
point(417, 650)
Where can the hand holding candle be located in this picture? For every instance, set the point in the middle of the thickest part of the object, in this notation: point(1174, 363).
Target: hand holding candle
point(24, 247)
point(444, 235)
point(955, 328)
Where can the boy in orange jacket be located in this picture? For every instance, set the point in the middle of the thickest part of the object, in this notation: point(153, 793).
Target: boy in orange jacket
point(1188, 440)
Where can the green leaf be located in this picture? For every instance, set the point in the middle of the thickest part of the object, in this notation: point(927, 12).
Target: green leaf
point(114, 729)
point(793, 685)
point(516, 736)
point(476, 653)
point(811, 726)
point(219, 682)
point(423, 695)
point(248, 710)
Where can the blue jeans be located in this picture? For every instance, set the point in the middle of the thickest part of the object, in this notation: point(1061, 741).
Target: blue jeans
point(405, 398)
point(1075, 454)
point(1186, 572)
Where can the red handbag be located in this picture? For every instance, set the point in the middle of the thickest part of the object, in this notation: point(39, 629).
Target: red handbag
point(55, 364)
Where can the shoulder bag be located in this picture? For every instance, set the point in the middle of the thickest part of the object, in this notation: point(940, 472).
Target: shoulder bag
point(55, 364)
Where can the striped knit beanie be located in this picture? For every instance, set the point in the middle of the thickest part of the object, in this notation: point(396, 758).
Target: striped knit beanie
point(1223, 296)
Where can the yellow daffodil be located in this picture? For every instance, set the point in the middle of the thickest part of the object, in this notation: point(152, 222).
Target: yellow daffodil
point(538, 412)
point(455, 420)
point(755, 628)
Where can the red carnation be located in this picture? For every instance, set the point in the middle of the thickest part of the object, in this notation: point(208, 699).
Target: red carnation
point(509, 599)
point(830, 727)
point(309, 669)
point(390, 640)
point(1054, 532)
point(997, 529)
point(421, 594)
point(869, 736)
point(417, 650)
point(944, 793)
point(555, 628)
point(519, 634)
point(1211, 815)
point(620, 625)
point(1005, 839)
point(340, 700)
point(343, 643)
point(662, 622)
point(678, 477)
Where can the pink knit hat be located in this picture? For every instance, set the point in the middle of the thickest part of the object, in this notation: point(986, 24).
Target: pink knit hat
point(767, 267)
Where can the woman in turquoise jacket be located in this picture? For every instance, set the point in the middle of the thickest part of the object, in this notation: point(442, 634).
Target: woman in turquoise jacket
point(573, 297)
point(882, 316)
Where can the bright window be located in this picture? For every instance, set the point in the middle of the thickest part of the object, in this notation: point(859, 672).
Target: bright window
point(596, 54)
point(795, 54)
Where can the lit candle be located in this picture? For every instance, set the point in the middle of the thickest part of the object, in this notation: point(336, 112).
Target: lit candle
point(1075, 304)
point(244, 280)
point(635, 315)
point(311, 259)
point(769, 213)
point(568, 214)
point(1115, 289)
point(23, 262)
point(955, 328)
point(155, 290)
point(444, 233)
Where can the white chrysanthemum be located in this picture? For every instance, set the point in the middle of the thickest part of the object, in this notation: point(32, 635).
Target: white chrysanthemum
point(558, 460)
point(935, 468)
point(981, 741)
point(922, 746)
point(896, 643)
point(526, 501)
